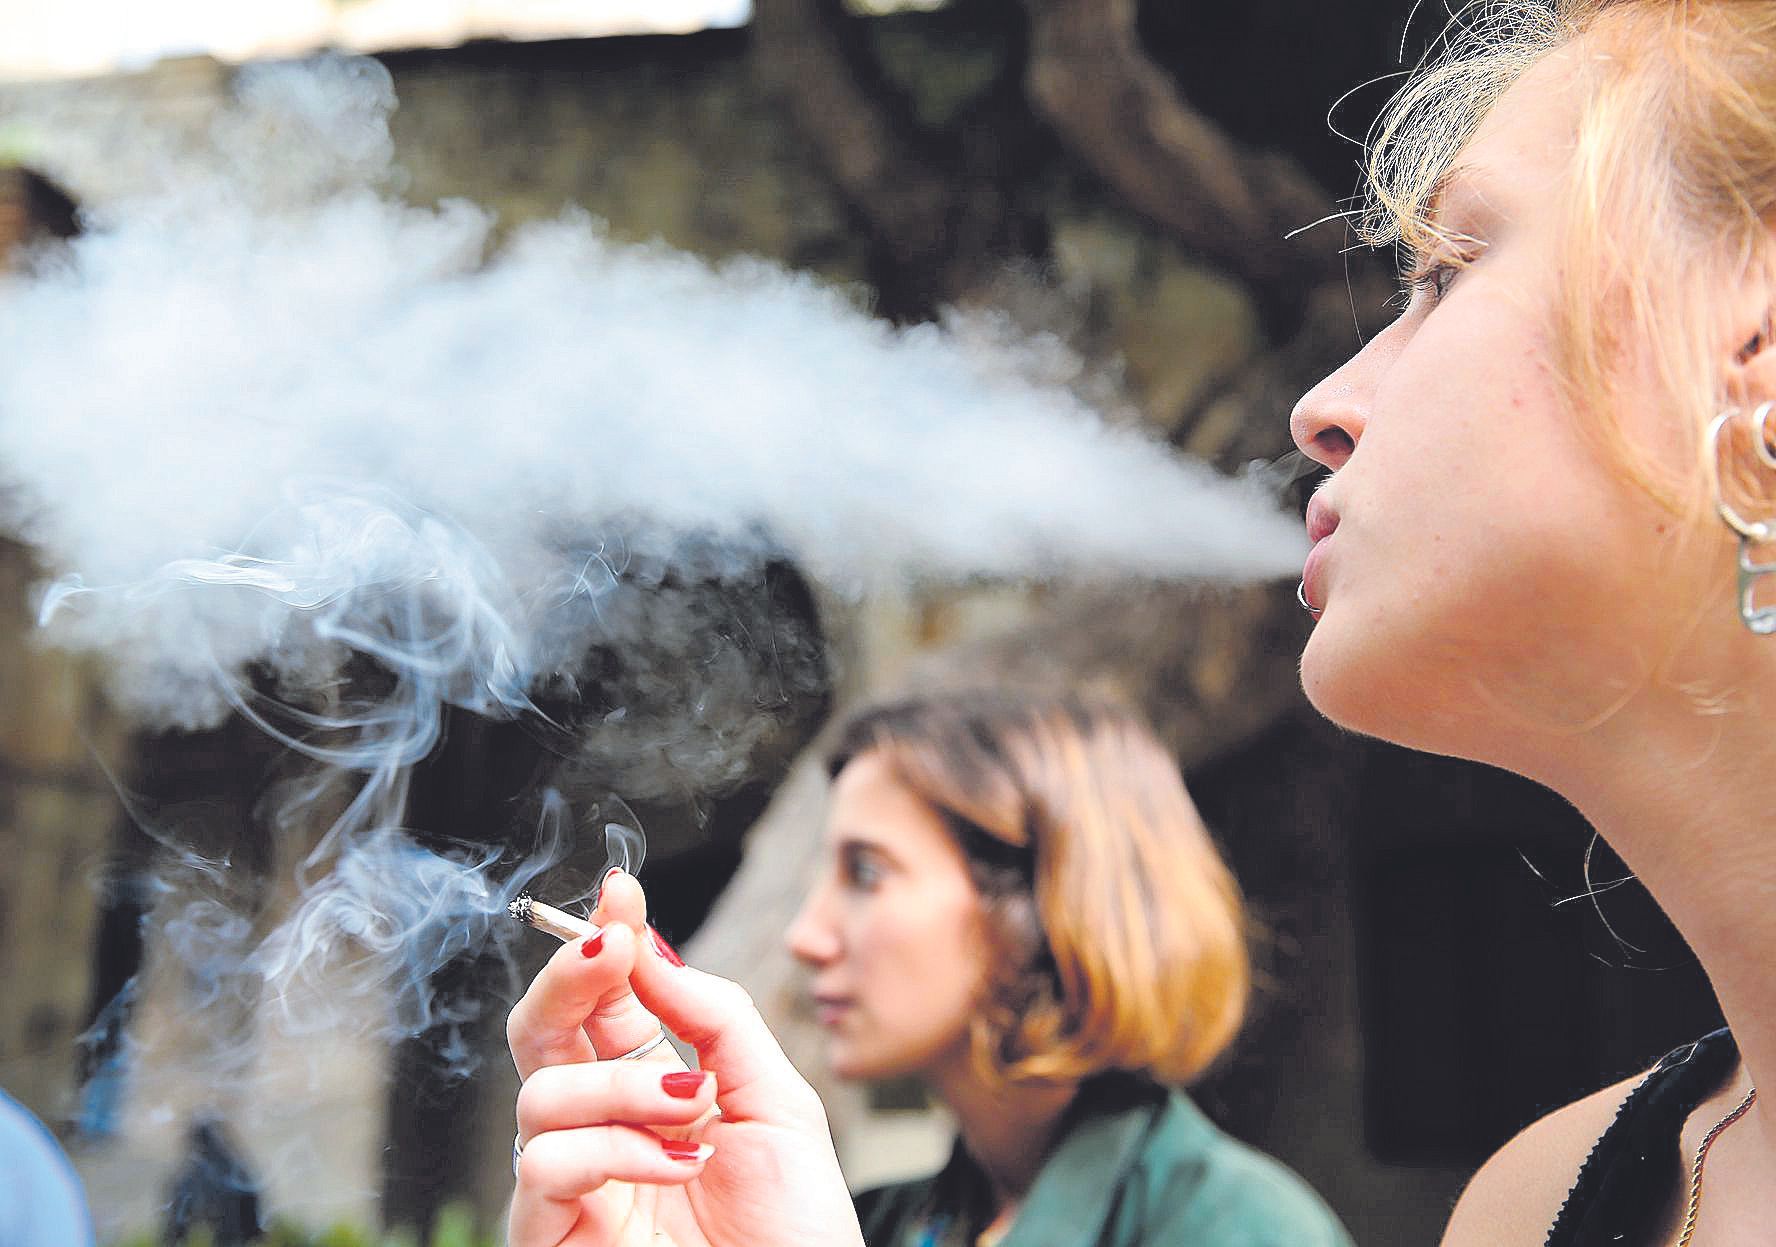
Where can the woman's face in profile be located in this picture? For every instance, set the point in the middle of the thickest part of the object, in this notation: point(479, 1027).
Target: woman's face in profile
point(891, 931)
point(1489, 563)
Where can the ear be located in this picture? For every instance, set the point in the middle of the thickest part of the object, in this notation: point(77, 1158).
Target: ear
point(1750, 343)
point(1753, 370)
point(1743, 480)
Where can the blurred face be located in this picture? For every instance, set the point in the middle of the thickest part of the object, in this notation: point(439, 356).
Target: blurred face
point(891, 931)
point(1485, 571)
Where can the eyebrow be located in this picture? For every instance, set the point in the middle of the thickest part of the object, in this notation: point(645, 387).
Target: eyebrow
point(1463, 191)
point(1460, 191)
point(845, 838)
point(1456, 176)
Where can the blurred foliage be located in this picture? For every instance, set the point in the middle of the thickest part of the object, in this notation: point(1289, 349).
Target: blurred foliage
point(454, 1227)
point(941, 77)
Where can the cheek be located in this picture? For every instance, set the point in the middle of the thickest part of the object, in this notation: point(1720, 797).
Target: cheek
point(1472, 465)
point(1470, 642)
point(924, 972)
point(1486, 550)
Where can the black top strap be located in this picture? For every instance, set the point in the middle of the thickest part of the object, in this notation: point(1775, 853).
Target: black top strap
point(1632, 1174)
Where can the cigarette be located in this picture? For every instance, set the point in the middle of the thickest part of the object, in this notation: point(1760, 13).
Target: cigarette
point(567, 928)
point(562, 925)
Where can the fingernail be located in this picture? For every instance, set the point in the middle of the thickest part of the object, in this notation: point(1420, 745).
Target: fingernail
point(680, 1149)
point(684, 1085)
point(665, 949)
point(614, 870)
point(591, 944)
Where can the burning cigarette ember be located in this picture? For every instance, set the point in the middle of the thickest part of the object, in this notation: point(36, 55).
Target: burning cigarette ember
point(562, 925)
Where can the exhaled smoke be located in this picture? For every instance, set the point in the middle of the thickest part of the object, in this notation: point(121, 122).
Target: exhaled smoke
point(338, 465)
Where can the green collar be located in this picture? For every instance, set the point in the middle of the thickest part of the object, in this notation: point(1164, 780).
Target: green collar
point(1102, 1136)
point(1100, 1140)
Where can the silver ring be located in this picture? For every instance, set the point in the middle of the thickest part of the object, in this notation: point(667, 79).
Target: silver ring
point(635, 1054)
point(1760, 425)
point(1301, 596)
point(1751, 530)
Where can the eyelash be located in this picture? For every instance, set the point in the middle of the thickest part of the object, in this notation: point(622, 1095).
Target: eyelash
point(860, 872)
point(1432, 279)
point(1434, 270)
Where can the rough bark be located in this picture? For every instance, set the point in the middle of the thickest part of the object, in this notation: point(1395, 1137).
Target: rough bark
point(862, 134)
point(1122, 115)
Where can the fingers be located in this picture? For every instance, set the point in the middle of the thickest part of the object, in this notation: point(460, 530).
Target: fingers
point(566, 1097)
point(719, 1019)
point(558, 1169)
point(548, 1026)
point(569, 1164)
point(583, 1008)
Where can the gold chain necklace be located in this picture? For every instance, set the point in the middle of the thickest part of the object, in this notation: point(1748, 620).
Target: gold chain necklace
point(1695, 1205)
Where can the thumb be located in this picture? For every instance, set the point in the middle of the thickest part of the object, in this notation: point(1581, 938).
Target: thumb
point(621, 899)
point(621, 1023)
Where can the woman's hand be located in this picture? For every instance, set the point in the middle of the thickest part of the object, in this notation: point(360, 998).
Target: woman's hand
point(606, 1159)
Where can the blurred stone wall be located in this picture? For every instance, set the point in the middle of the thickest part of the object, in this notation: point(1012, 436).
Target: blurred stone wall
point(57, 817)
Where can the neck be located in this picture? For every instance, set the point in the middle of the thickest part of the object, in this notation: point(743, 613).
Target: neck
point(1008, 1130)
point(1684, 797)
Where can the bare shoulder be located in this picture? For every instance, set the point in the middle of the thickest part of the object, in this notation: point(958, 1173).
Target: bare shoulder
point(1516, 1195)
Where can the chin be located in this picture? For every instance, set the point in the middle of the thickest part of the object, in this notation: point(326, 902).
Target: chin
point(1371, 685)
point(844, 1069)
point(847, 1063)
point(1338, 683)
point(844, 1062)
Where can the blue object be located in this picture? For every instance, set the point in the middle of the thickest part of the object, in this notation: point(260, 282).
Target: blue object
point(42, 1203)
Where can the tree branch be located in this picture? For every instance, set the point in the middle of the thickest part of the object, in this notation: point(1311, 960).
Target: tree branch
point(867, 145)
point(1122, 115)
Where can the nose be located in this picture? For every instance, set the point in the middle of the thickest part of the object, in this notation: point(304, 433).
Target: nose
point(811, 938)
point(1328, 422)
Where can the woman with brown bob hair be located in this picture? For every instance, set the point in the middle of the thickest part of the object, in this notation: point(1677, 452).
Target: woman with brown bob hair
point(1021, 907)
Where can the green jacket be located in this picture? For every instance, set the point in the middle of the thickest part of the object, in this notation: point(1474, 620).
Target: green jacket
point(1136, 1166)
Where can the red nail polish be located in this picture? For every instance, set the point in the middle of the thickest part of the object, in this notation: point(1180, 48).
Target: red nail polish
point(590, 946)
point(680, 1149)
point(683, 1085)
point(664, 949)
point(614, 870)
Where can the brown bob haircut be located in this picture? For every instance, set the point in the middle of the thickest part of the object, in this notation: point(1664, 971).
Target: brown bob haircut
point(1116, 929)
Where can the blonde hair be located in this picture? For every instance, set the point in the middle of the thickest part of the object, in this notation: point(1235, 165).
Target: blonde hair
point(1672, 194)
point(1117, 931)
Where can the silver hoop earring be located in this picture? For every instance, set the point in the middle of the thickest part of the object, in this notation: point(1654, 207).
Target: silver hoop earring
point(1760, 620)
point(1760, 426)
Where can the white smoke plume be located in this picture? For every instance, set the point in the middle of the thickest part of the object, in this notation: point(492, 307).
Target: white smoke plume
point(269, 425)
